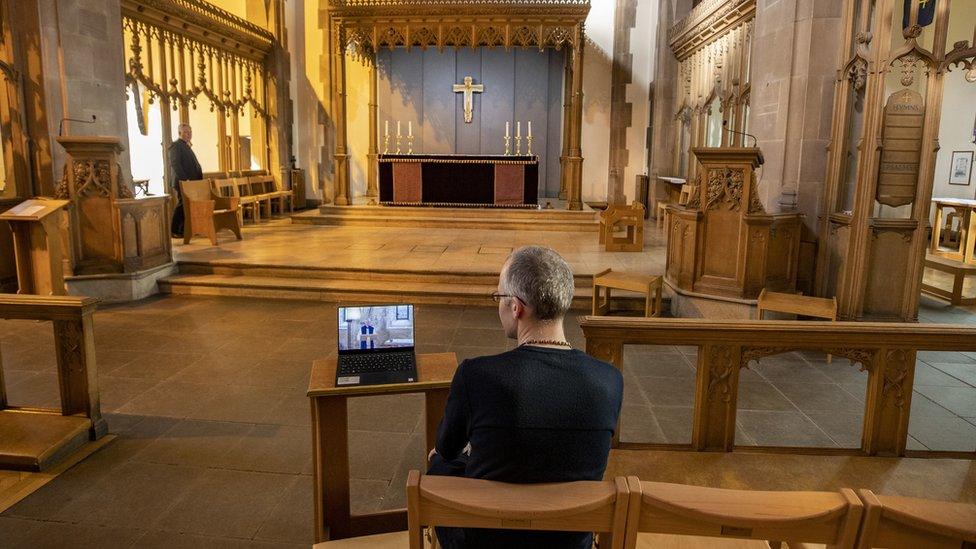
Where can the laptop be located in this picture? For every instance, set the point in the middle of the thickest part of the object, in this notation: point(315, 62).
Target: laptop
point(376, 345)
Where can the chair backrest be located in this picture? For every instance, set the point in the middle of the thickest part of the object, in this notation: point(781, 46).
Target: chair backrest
point(262, 183)
point(243, 186)
point(899, 522)
point(215, 175)
point(582, 506)
point(830, 518)
point(196, 190)
point(686, 192)
point(225, 187)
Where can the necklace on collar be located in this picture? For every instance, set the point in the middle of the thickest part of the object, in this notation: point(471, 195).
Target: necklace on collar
point(547, 342)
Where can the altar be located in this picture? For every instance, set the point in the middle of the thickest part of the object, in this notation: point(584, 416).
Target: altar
point(459, 180)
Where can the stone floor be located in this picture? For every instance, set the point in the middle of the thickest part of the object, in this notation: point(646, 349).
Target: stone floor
point(207, 397)
point(469, 250)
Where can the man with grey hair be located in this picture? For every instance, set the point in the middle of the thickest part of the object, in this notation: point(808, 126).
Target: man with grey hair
point(184, 166)
point(542, 412)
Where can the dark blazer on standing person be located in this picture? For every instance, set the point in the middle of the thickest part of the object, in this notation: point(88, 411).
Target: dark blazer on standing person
point(184, 166)
point(533, 414)
point(183, 163)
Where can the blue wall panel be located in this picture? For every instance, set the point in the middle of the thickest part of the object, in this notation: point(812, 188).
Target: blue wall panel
point(417, 85)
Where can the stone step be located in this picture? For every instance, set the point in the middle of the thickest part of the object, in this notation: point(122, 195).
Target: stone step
point(438, 222)
point(586, 214)
point(384, 275)
point(409, 289)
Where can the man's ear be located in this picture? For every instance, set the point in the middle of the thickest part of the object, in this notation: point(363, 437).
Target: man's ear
point(518, 308)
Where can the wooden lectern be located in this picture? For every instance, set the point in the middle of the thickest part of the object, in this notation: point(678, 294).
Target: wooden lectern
point(723, 243)
point(36, 225)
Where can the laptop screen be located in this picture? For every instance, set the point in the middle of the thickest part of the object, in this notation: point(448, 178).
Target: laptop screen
point(375, 328)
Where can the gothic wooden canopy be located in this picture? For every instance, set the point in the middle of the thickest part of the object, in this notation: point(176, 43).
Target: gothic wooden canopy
point(369, 25)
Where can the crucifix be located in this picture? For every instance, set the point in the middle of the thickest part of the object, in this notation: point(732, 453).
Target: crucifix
point(468, 89)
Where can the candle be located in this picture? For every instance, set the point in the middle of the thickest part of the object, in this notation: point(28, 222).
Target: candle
point(398, 128)
point(386, 127)
point(506, 129)
point(409, 128)
point(530, 128)
point(518, 129)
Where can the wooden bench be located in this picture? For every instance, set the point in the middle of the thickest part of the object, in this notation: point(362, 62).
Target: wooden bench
point(581, 506)
point(631, 220)
point(959, 272)
point(267, 188)
point(830, 518)
point(207, 212)
point(649, 285)
point(795, 304)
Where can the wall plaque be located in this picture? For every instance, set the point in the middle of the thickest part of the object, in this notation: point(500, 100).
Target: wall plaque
point(901, 148)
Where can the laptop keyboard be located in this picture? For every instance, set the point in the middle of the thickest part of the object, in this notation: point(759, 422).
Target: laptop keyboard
point(374, 363)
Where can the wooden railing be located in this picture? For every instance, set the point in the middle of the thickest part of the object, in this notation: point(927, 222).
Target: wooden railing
point(74, 340)
point(886, 351)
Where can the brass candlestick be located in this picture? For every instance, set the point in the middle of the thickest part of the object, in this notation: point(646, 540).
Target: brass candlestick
point(410, 144)
point(398, 143)
point(528, 145)
point(386, 143)
point(518, 145)
point(508, 145)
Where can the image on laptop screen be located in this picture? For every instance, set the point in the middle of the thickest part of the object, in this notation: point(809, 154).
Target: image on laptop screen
point(375, 327)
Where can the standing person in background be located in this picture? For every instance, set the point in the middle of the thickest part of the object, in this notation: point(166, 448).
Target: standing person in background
point(184, 166)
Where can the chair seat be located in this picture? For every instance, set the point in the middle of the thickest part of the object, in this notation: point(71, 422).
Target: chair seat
point(393, 540)
point(743, 509)
point(522, 501)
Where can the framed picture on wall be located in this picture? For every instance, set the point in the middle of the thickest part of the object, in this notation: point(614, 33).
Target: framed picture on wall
point(960, 167)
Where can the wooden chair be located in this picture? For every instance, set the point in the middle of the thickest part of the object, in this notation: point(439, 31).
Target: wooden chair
point(582, 506)
point(908, 523)
point(630, 219)
point(686, 191)
point(207, 212)
point(793, 518)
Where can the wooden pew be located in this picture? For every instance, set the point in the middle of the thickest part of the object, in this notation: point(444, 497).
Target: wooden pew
point(249, 202)
point(908, 523)
point(207, 212)
point(583, 506)
point(267, 189)
point(796, 518)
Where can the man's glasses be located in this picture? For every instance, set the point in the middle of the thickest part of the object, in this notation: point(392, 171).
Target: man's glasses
point(496, 297)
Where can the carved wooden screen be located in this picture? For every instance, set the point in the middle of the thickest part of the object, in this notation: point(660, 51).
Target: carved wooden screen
point(713, 46)
point(187, 54)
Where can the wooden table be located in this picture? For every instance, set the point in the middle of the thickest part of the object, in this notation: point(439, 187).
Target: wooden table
point(967, 229)
point(649, 285)
point(330, 441)
point(958, 270)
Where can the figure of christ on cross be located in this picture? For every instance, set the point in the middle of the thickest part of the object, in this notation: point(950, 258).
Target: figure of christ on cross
point(468, 89)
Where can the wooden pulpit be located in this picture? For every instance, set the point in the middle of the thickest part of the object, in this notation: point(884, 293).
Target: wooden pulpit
point(723, 243)
point(36, 226)
point(111, 231)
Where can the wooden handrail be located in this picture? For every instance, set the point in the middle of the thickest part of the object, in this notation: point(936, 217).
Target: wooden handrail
point(887, 351)
point(37, 307)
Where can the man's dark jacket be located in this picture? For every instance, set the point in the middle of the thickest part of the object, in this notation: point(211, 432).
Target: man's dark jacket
point(532, 415)
point(184, 166)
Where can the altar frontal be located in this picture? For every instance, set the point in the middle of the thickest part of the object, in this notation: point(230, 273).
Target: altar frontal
point(449, 180)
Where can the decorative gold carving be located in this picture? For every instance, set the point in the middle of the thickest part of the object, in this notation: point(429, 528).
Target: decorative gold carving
point(908, 63)
point(962, 54)
point(864, 358)
point(720, 369)
point(724, 186)
point(755, 353)
point(706, 21)
point(857, 73)
point(92, 178)
point(896, 370)
point(755, 204)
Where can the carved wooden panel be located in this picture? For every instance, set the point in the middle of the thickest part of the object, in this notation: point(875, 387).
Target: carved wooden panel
point(886, 285)
point(716, 396)
point(888, 407)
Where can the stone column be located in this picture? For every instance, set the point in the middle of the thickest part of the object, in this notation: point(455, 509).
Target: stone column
point(372, 174)
point(793, 69)
point(338, 83)
point(574, 162)
point(620, 109)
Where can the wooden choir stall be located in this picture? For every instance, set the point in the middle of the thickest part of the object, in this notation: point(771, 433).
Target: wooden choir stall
point(722, 243)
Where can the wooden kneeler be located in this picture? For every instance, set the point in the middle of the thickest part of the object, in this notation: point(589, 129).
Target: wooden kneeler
point(206, 212)
point(581, 506)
